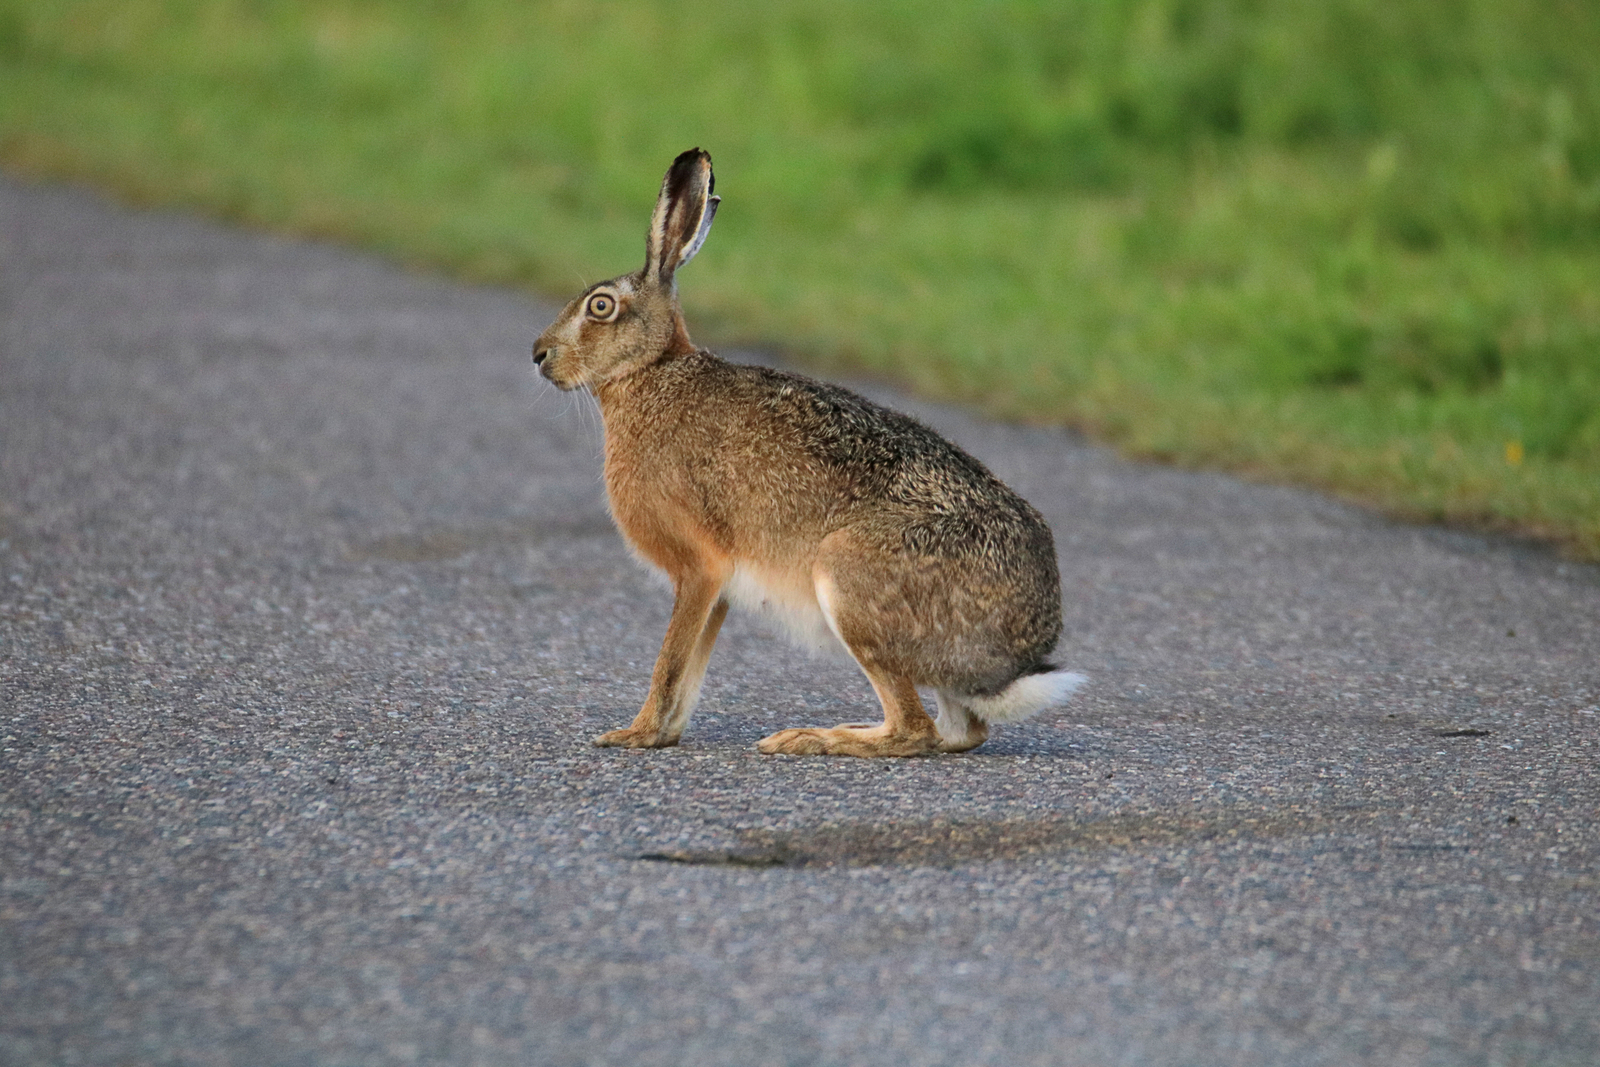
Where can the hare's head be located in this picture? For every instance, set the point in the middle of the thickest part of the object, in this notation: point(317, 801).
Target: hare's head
point(620, 325)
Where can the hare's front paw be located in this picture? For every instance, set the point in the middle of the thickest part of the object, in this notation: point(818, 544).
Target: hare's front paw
point(634, 738)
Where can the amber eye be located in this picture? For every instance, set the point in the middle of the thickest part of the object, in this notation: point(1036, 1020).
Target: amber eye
point(602, 306)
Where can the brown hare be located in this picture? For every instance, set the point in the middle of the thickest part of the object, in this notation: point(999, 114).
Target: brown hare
point(847, 521)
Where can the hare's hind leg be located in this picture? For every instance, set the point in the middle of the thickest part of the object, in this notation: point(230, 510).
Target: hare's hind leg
point(906, 729)
point(697, 615)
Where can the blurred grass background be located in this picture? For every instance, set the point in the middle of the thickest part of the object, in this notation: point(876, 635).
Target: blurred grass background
point(1353, 244)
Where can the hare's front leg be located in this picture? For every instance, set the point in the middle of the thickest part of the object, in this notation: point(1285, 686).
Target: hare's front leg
point(697, 615)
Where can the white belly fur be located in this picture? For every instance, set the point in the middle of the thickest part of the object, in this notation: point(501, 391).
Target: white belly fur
point(792, 606)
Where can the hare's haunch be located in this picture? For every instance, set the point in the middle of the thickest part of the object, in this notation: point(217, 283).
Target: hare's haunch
point(850, 522)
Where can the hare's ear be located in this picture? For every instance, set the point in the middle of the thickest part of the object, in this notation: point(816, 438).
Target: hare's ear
point(684, 211)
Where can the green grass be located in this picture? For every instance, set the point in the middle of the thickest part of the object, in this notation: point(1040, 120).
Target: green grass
point(1353, 244)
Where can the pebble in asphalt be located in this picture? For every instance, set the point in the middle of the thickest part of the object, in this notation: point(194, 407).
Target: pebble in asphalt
point(310, 605)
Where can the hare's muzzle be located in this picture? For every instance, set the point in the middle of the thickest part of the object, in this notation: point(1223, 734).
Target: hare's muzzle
point(539, 355)
point(542, 358)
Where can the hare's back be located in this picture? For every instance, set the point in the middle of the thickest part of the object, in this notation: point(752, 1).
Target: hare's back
point(946, 502)
point(787, 453)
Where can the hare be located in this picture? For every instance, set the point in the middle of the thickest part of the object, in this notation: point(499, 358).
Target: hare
point(850, 522)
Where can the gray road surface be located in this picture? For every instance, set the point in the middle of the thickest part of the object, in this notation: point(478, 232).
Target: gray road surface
point(309, 606)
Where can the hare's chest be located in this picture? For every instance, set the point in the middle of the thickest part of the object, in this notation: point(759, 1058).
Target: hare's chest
point(661, 511)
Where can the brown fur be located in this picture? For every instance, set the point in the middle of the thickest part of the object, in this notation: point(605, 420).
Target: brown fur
point(923, 564)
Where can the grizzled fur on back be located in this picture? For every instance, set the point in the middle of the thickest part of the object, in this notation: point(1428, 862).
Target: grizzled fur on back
point(954, 507)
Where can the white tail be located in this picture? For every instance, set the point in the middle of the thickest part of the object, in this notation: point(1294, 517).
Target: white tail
point(1026, 696)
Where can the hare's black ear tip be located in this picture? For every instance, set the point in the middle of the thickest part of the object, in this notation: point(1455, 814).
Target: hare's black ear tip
point(688, 165)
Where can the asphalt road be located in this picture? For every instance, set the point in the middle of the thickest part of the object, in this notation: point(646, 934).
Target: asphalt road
point(309, 606)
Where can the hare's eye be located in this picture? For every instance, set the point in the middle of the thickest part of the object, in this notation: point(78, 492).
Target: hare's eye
point(602, 306)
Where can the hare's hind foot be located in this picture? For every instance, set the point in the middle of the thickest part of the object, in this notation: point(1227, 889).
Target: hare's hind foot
point(852, 739)
point(959, 729)
point(977, 733)
point(633, 737)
